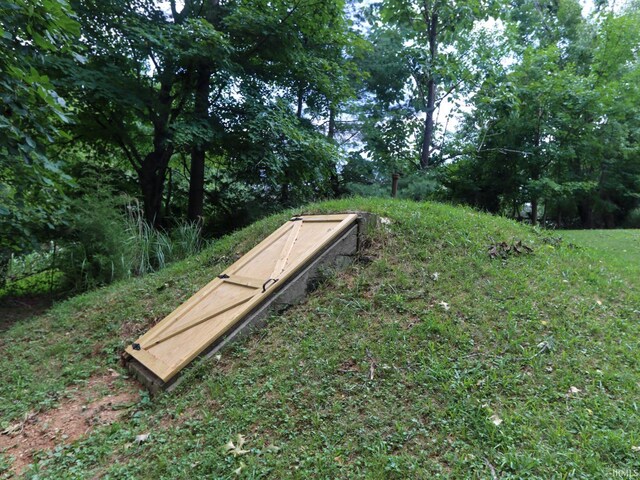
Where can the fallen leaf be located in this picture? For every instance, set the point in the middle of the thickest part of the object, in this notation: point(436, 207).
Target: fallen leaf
point(236, 450)
point(495, 419)
point(272, 449)
point(13, 429)
point(238, 470)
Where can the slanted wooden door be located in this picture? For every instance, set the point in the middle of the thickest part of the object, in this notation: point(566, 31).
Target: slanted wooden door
point(175, 341)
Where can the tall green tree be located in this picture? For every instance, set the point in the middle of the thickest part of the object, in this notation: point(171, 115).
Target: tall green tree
point(434, 39)
point(32, 116)
point(136, 88)
point(160, 81)
point(559, 126)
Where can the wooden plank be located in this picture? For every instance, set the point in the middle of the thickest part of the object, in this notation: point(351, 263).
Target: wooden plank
point(182, 310)
point(270, 240)
point(204, 293)
point(210, 313)
point(153, 363)
point(255, 301)
point(286, 251)
point(198, 320)
point(244, 281)
point(321, 218)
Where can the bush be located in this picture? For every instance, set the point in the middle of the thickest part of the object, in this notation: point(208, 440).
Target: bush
point(34, 273)
point(633, 219)
point(95, 252)
point(369, 190)
point(186, 239)
point(419, 187)
point(109, 239)
point(151, 249)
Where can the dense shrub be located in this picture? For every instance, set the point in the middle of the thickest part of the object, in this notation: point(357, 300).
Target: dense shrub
point(633, 219)
point(108, 239)
point(94, 251)
point(419, 187)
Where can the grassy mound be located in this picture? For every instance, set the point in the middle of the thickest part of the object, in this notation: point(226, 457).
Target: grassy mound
point(428, 360)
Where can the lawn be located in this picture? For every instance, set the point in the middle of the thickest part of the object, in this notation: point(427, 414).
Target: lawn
point(616, 248)
point(427, 359)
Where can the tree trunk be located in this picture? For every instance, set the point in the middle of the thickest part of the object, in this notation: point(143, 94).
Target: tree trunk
point(167, 201)
point(331, 133)
point(4, 268)
point(427, 139)
point(198, 151)
point(586, 213)
point(153, 169)
point(285, 187)
point(151, 177)
point(284, 193)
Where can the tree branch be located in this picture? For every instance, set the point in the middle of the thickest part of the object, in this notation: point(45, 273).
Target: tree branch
point(453, 87)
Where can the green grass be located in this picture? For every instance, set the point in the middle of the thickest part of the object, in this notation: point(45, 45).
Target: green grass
point(615, 248)
point(517, 336)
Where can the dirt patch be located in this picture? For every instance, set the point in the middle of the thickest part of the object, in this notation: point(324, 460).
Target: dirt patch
point(131, 330)
point(18, 308)
point(101, 402)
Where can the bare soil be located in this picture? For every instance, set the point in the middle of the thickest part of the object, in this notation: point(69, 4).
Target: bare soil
point(15, 309)
point(101, 402)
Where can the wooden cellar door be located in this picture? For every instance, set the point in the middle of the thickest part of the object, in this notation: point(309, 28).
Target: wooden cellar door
point(175, 341)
